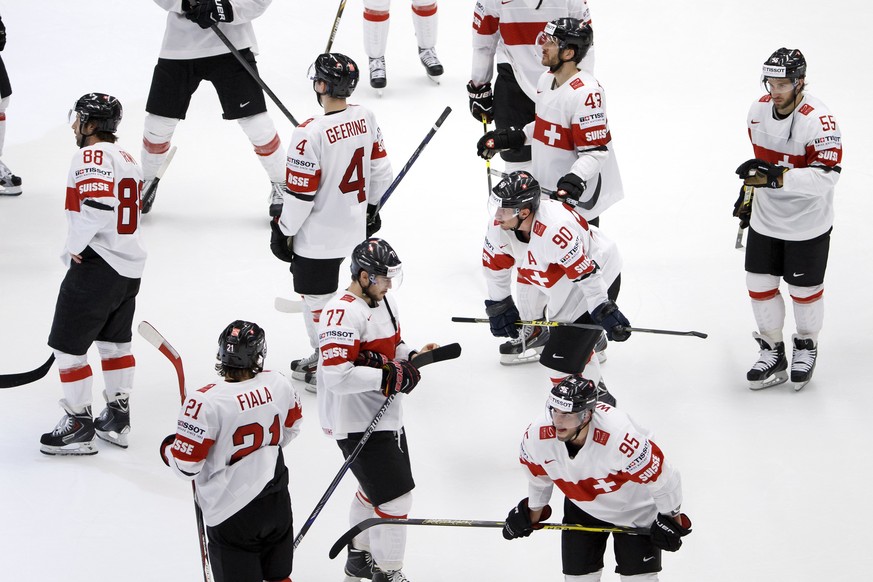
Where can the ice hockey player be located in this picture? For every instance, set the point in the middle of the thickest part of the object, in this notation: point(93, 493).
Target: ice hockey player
point(507, 32)
point(191, 53)
point(10, 184)
point(574, 266)
point(376, 21)
point(337, 171)
point(96, 302)
point(611, 474)
point(229, 441)
point(364, 360)
point(790, 214)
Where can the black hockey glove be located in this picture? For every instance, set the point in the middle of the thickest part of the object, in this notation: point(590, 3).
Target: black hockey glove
point(499, 140)
point(481, 101)
point(2, 35)
point(371, 359)
point(667, 532)
point(570, 189)
point(518, 523)
point(743, 209)
point(168, 440)
point(374, 221)
point(502, 315)
point(399, 376)
point(282, 246)
point(757, 172)
point(613, 321)
point(208, 12)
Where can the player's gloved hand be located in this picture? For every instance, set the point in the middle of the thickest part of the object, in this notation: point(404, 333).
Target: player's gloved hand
point(205, 13)
point(481, 101)
point(399, 376)
point(281, 246)
point(756, 172)
point(374, 221)
point(502, 315)
point(371, 359)
point(2, 35)
point(570, 189)
point(613, 321)
point(743, 209)
point(499, 140)
point(667, 532)
point(518, 523)
point(168, 440)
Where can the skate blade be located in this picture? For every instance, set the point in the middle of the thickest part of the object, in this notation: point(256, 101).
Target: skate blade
point(10, 191)
point(77, 449)
point(527, 357)
point(435, 79)
point(798, 386)
point(601, 356)
point(774, 380)
point(113, 437)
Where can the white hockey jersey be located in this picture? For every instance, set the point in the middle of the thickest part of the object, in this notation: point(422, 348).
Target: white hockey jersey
point(809, 143)
point(103, 208)
point(571, 134)
point(184, 39)
point(227, 440)
point(508, 31)
point(619, 476)
point(337, 164)
point(349, 396)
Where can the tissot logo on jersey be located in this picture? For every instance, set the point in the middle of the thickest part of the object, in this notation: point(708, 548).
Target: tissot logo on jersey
point(91, 171)
point(826, 142)
point(341, 336)
point(592, 120)
point(301, 163)
point(192, 431)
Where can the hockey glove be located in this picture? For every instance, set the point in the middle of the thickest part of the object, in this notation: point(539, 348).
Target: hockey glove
point(2, 35)
point(613, 321)
point(667, 532)
point(518, 523)
point(282, 246)
point(399, 376)
point(374, 221)
point(371, 359)
point(205, 13)
point(743, 208)
point(481, 101)
point(168, 441)
point(502, 315)
point(757, 172)
point(499, 140)
point(570, 189)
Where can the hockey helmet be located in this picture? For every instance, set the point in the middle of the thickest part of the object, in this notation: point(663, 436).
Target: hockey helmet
point(568, 33)
point(102, 109)
point(242, 344)
point(574, 394)
point(785, 64)
point(376, 256)
point(339, 73)
point(517, 190)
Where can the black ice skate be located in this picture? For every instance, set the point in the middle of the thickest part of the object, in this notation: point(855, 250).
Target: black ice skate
point(113, 424)
point(431, 63)
point(359, 564)
point(74, 434)
point(10, 184)
point(527, 347)
point(378, 76)
point(770, 369)
point(149, 192)
point(277, 198)
point(388, 575)
point(802, 361)
point(304, 370)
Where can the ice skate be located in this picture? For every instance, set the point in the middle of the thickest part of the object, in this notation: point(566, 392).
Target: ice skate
point(526, 348)
point(10, 184)
point(359, 564)
point(73, 435)
point(431, 63)
point(304, 370)
point(149, 192)
point(378, 76)
point(802, 361)
point(388, 575)
point(770, 369)
point(277, 198)
point(113, 424)
point(600, 348)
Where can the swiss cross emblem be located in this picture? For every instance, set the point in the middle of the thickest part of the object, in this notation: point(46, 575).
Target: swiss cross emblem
point(600, 436)
point(806, 109)
point(547, 432)
point(576, 83)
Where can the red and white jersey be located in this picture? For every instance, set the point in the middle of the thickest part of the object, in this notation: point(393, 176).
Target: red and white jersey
point(337, 164)
point(571, 262)
point(184, 39)
point(809, 143)
point(349, 396)
point(102, 204)
point(571, 134)
point(619, 475)
point(508, 31)
point(227, 440)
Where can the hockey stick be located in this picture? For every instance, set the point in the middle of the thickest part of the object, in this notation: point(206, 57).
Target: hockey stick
point(284, 305)
point(336, 21)
point(487, 160)
point(747, 199)
point(493, 172)
point(22, 378)
point(149, 194)
point(414, 157)
point(439, 354)
point(544, 323)
point(347, 537)
point(251, 71)
point(154, 337)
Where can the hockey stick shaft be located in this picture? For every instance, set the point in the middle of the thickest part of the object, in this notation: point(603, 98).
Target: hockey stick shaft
point(543, 323)
point(22, 378)
point(747, 199)
point(414, 156)
point(440, 354)
point(336, 22)
point(487, 160)
point(251, 71)
point(495, 172)
point(347, 537)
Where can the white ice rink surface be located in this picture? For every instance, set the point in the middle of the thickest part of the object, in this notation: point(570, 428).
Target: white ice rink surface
point(777, 482)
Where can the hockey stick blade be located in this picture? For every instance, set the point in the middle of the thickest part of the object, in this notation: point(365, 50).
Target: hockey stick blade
point(288, 305)
point(347, 537)
point(440, 354)
point(22, 378)
point(154, 337)
point(544, 323)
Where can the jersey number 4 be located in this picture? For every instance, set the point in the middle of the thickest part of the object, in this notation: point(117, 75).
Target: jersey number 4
point(353, 179)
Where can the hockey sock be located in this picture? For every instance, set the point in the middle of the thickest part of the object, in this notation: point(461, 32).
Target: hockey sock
point(768, 306)
point(118, 366)
point(388, 544)
point(262, 133)
point(424, 18)
point(76, 379)
point(313, 304)
point(592, 577)
point(4, 103)
point(360, 510)
point(156, 136)
point(808, 310)
point(376, 27)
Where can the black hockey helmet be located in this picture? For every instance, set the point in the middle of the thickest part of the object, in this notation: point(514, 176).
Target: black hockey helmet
point(242, 344)
point(574, 393)
point(569, 33)
point(100, 108)
point(339, 72)
point(376, 256)
point(785, 64)
point(518, 190)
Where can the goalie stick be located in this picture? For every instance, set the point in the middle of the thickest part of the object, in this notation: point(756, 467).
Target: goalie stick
point(22, 378)
point(544, 323)
point(347, 537)
point(154, 337)
point(439, 354)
